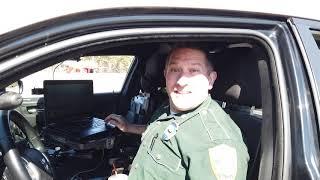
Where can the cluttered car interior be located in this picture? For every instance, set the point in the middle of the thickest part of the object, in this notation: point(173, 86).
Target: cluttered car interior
point(67, 97)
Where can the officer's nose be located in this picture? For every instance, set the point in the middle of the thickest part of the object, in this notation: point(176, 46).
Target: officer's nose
point(182, 80)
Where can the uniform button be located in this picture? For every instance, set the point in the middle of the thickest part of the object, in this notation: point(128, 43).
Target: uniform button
point(136, 166)
point(144, 144)
point(158, 122)
point(158, 156)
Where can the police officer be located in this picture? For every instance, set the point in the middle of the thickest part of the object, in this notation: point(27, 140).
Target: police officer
point(192, 137)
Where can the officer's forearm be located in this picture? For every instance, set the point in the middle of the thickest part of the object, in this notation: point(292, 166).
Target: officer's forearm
point(135, 128)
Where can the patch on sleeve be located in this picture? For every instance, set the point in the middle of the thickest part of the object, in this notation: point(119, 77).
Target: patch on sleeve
point(223, 160)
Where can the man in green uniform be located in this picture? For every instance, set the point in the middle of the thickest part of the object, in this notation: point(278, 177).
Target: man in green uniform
point(192, 137)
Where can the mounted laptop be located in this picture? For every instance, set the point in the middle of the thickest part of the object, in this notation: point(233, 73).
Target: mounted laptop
point(68, 114)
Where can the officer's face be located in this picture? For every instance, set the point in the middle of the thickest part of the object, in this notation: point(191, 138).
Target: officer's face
point(188, 79)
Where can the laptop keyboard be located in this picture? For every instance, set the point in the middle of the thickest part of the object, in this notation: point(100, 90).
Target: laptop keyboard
point(94, 123)
point(97, 123)
point(76, 127)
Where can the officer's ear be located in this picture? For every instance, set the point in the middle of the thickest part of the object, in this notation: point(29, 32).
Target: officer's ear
point(165, 68)
point(165, 72)
point(212, 78)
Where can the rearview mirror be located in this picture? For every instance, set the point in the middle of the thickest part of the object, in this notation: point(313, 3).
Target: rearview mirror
point(10, 100)
point(16, 87)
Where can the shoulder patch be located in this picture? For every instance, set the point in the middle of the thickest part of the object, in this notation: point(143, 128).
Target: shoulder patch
point(223, 160)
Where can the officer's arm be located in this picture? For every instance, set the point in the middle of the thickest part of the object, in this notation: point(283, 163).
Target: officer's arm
point(222, 161)
point(124, 125)
point(135, 128)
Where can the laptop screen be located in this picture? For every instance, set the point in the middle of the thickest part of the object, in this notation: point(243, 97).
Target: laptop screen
point(67, 100)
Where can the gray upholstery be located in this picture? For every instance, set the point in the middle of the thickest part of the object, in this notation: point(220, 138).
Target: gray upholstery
point(153, 76)
point(238, 77)
point(239, 85)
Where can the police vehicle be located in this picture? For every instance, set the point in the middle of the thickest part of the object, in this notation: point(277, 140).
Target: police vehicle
point(60, 64)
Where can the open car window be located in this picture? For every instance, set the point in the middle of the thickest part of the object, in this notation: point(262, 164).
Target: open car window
point(237, 90)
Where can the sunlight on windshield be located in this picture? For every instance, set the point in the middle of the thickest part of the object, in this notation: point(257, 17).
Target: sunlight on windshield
point(107, 72)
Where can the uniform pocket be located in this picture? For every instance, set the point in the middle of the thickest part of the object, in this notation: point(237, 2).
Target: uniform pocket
point(164, 156)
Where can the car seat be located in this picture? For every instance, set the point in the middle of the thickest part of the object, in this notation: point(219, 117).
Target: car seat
point(238, 90)
point(153, 81)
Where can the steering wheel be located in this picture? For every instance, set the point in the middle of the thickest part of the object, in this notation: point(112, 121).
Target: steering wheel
point(28, 163)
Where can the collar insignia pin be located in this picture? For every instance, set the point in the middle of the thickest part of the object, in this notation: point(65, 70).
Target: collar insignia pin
point(170, 131)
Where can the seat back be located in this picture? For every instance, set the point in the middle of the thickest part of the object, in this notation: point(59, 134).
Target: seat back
point(238, 89)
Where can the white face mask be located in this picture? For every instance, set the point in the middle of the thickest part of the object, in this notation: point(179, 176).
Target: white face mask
point(188, 79)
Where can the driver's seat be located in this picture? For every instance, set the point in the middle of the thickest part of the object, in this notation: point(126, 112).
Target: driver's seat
point(238, 89)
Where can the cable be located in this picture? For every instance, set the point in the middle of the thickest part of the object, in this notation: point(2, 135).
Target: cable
point(89, 170)
point(55, 69)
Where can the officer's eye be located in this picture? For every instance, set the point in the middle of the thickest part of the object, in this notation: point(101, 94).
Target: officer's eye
point(194, 70)
point(174, 69)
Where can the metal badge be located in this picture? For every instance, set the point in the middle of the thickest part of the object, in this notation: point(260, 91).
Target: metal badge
point(170, 131)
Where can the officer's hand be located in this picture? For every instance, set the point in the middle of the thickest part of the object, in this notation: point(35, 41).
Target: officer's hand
point(118, 121)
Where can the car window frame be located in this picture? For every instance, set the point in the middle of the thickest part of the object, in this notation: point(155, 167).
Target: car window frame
point(311, 53)
point(258, 35)
point(309, 106)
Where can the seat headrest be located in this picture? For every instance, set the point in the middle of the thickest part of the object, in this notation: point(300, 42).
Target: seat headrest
point(153, 76)
point(238, 80)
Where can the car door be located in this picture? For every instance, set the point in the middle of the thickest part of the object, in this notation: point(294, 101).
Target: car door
point(190, 24)
point(307, 35)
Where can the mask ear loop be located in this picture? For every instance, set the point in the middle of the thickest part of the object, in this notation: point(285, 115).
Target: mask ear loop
point(114, 169)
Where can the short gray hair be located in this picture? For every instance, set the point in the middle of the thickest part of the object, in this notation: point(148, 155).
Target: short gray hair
point(191, 45)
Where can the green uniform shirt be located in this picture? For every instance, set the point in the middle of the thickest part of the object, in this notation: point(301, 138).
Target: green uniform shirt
point(201, 144)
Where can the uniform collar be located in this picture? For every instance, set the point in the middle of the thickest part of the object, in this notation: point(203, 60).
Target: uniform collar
point(184, 116)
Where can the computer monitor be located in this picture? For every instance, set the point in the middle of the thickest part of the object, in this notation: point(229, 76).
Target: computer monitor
point(66, 100)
